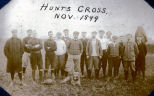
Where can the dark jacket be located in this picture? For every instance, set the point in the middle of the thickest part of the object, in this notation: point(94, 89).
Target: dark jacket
point(84, 43)
point(114, 51)
point(13, 51)
point(35, 42)
point(89, 47)
point(50, 46)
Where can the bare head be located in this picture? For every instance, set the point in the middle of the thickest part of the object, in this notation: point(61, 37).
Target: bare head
point(66, 32)
point(75, 34)
point(94, 34)
point(29, 33)
point(101, 33)
point(50, 34)
point(129, 37)
point(14, 33)
point(84, 34)
point(108, 34)
point(59, 35)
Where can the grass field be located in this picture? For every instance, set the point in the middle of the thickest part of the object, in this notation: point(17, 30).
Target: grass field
point(89, 87)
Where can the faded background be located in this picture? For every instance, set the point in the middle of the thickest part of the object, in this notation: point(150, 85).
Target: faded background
point(123, 16)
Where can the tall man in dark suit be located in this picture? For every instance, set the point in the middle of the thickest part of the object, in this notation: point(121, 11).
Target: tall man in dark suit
point(83, 62)
point(13, 51)
point(140, 60)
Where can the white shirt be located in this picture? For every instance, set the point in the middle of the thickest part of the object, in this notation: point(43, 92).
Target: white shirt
point(94, 53)
point(61, 47)
point(104, 43)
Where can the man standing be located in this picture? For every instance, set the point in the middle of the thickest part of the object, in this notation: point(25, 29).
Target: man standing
point(74, 49)
point(104, 45)
point(50, 47)
point(26, 55)
point(60, 54)
point(93, 53)
point(84, 41)
point(140, 60)
point(129, 56)
point(13, 51)
point(114, 56)
point(36, 57)
point(66, 39)
point(121, 44)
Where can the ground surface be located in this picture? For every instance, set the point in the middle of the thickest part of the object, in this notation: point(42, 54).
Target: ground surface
point(89, 87)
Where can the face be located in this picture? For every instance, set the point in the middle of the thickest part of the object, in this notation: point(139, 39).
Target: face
point(101, 34)
point(84, 34)
point(59, 36)
point(66, 33)
point(129, 37)
point(50, 34)
point(75, 36)
point(108, 35)
point(34, 34)
point(121, 38)
point(94, 35)
point(29, 33)
point(14, 33)
point(139, 38)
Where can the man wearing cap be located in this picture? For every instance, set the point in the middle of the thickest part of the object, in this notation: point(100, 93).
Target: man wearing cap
point(104, 45)
point(84, 41)
point(60, 54)
point(74, 49)
point(26, 55)
point(13, 51)
point(113, 57)
point(93, 52)
point(66, 39)
point(130, 53)
point(140, 60)
point(36, 57)
point(50, 47)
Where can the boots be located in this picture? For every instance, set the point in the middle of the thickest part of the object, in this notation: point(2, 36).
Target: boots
point(126, 75)
point(133, 76)
point(89, 74)
point(40, 76)
point(96, 73)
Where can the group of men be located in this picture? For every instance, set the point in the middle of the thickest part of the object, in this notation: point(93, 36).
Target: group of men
point(67, 55)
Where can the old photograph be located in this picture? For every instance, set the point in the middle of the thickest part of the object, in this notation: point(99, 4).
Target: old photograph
point(77, 48)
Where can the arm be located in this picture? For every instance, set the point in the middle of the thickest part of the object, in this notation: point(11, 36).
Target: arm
point(87, 48)
point(81, 47)
point(136, 49)
point(64, 46)
point(68, 47)
point(6, 49)
point(21, 48)
point(100, 51)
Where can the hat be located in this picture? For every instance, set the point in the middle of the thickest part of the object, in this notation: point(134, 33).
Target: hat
point(75, 32)
point(94, 32)
point(115, 37)
point(84, 32)
point(108, 33)
point(65, 30)
point(101, 31)
point(14, 31)
point(29, 31)
point(59, 33)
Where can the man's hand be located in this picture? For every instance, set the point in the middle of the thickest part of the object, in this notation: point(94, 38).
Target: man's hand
point(87, 57)
point(100, 57)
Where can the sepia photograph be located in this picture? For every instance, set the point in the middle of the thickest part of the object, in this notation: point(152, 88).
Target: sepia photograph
point(76, 48)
